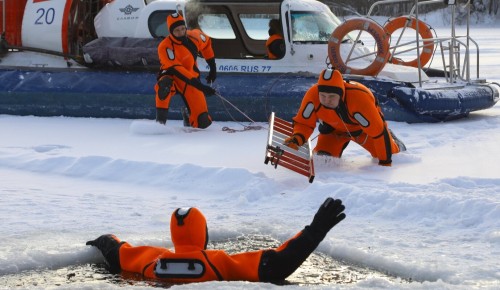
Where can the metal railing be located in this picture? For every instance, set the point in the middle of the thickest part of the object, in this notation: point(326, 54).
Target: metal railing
point(454, 44)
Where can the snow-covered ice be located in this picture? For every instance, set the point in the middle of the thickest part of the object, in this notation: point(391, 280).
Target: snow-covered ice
point(433, 217)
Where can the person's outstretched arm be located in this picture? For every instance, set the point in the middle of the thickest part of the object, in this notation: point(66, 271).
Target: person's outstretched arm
point(277, 264)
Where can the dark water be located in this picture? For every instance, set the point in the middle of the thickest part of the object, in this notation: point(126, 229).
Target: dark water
point(318, 269)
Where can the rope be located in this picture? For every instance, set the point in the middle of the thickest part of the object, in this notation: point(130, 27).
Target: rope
point(249, 127)
point(345, 126)
point(245, 127)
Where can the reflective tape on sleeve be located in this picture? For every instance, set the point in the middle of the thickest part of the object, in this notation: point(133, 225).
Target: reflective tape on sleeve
point(170, 54)
point(308, 110)
point(361, 120)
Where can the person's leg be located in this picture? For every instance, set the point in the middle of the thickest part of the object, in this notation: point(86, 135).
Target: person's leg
point(197, 106)
point(162, 103)
point(331, 144)
point(370, 145)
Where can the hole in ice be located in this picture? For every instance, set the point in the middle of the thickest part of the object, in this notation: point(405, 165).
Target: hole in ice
point(318, 269)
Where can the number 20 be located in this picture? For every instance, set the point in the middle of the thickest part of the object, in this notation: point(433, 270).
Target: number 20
point(47, 15)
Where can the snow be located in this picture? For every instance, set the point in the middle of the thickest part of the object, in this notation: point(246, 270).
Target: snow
point(433, 217)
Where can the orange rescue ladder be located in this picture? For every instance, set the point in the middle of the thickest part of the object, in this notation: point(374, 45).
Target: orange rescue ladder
point(300, 161)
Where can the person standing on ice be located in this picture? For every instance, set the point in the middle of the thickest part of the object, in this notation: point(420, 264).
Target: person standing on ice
point(346, 111)
point(179, 72)
point(192, 262)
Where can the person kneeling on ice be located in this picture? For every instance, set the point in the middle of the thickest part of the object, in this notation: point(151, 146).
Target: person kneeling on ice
point(179, 72)
point(192, 262)
point(346, 111)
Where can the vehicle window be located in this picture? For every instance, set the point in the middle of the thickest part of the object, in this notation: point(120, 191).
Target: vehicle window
point(157, 23)
point(311, 26)
point(217, 26)
point(257, 25)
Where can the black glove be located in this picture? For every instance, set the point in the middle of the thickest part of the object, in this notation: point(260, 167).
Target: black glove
point(212, 74)
point(328, 215)
point(109, 245)
point(164, 85)
point(208, 90)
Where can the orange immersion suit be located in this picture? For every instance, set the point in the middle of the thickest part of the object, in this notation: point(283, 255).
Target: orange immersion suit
point(178, 62)
point(357, 118)
point(275, 45)
point(192, 262)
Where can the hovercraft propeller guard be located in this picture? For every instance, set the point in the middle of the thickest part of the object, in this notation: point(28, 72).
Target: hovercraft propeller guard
point(300, 161)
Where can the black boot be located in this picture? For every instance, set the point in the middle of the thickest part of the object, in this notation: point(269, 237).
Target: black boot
point(185, 117)
point(401, 145)
point(161, 115)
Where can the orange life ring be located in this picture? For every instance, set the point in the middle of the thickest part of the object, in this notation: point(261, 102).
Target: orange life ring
point(424, 31)
point(359, 23)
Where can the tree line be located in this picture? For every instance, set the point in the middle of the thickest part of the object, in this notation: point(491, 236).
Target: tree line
point(361, 7)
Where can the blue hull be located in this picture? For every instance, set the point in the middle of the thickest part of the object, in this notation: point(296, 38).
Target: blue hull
point(116, 94)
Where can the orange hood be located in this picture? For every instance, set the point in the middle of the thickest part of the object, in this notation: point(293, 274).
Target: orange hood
point(188, 228)
point(174, 20)
point(331, 81)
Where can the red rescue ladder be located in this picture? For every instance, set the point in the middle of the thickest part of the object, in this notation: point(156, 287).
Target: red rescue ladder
point(300, 161)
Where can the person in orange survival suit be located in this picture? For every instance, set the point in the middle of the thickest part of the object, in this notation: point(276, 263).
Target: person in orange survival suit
point(179, 72)
point(195, 30)
point(347, 111)
point(275, 44)
point(192, 262)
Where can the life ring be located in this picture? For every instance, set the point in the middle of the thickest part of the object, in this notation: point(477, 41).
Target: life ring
point(359, 23)
point(424, 31)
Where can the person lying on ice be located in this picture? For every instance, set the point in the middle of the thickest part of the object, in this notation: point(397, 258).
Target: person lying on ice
point(179, 72)
point(192, 262)
point(346, 111)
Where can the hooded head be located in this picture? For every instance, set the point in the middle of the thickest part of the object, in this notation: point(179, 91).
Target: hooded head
point(331, 81)
point(188, 228)
point(330, 88)
point(173, 21)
